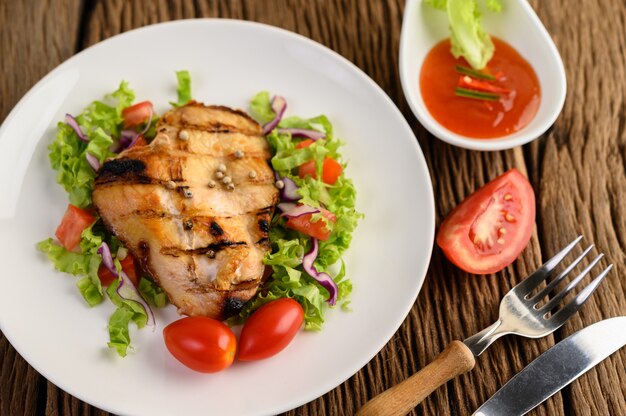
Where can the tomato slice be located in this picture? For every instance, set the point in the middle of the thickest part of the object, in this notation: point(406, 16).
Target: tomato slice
point(490, 228)
point(270, 329)
point(202, 344)
point(128, 266)
point(136, 114)
point(331, 170)
point(72, 226)
point(315, 229)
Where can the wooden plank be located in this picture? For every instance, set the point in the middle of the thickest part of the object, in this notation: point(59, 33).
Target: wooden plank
point(36, 37)
point(581, 168)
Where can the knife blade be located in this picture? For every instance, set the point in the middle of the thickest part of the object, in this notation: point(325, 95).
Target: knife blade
point(556, 368)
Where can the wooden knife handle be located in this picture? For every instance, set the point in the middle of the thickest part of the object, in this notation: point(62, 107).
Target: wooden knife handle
point(454, 360)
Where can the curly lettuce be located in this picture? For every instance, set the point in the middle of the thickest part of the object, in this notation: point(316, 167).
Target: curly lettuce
point(184, 88)
point(152, 293)
point(85, 263)
point(127, 311)
point(289, 246)
point(261, 108)
point(468, 37)
point(100, 122)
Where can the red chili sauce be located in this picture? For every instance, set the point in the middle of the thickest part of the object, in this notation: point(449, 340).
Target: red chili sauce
point(474, 117)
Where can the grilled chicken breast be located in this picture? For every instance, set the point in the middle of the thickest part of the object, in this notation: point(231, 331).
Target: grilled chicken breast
point(194, 207)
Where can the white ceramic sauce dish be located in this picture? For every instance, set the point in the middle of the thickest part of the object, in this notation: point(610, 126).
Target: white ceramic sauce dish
point(517, 24)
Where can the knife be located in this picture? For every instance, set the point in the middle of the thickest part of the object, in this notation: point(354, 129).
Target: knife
point(556, 368)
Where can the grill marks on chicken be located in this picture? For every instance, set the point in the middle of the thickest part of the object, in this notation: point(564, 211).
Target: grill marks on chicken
point(202, 241)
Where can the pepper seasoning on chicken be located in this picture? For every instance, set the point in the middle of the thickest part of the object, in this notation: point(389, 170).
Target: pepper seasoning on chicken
point(194, 207)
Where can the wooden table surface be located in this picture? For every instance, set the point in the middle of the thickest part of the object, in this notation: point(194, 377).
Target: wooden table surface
point(577, 170)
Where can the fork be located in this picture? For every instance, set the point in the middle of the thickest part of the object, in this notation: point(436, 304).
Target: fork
point(520, 313)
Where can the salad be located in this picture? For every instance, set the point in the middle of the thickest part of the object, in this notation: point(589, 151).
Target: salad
point(310, 231)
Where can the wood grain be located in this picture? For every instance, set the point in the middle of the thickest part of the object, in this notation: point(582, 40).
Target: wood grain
point(577, 169)
point(583, 177)
point(35, 36)
point(454, 360)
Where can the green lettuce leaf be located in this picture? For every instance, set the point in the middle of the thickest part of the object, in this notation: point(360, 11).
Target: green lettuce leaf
point(289, 246)
point(119, 336)
point(127, 311)
point(85, 263)
point(468, 37)
point(319, 123)
point(107, 114)
point(494, 5)
point(437, 4)
point(313, 299)
point(100, 121)
point(184, 88)
point(261, 108)
point(152, 293)
point(92, 293)
point(63, 260)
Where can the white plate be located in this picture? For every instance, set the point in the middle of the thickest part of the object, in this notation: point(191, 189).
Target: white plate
point(41, 311)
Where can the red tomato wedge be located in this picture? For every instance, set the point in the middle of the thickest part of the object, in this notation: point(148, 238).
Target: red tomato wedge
point(128, 266)
point(305, 143)
point(202, 344)
point(315, 229)
point(270, 329)
point(490, 228)
point(72, 226)
point(136, 114)
point(331, 170)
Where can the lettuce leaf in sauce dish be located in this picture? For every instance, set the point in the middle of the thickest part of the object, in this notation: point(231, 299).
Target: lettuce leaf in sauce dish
point(468, 37)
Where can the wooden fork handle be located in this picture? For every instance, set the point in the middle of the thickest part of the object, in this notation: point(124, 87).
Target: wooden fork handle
point(454, 360)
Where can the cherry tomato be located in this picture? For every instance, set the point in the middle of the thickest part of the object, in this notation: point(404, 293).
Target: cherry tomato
point(490, 228)
point(128, 266)
point(331, 170)
point(315, 229)
point(202, 344)
point(136, 114)
point(72, 226)
point(270, 329)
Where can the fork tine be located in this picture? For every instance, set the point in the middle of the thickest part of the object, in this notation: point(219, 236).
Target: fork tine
point(546, 290)
point(571, 308)
point(557, 298)
point(542, 273)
